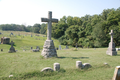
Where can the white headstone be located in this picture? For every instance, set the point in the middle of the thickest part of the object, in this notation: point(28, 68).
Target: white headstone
point(56, 66)
point(79, 64)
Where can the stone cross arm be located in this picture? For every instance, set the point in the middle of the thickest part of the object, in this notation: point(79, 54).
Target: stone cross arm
point(111, 33)
point(47, 20)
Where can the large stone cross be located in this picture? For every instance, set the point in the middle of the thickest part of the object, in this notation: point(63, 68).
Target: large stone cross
point(111, 33)
point(111, 49)
point(49, 20)
point(49, 48)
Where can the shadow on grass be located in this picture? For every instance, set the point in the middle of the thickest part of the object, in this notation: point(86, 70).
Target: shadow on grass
point(13, 44)
point(74, 57)
point(118, 55)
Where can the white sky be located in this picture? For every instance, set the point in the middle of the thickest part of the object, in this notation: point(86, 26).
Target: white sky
point(29, 12)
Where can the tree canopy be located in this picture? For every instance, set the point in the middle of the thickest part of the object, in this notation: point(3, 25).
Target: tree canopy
point(92, 31)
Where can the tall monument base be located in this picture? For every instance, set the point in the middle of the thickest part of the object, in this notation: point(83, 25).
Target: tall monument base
point(111, 49)
point(49, 49)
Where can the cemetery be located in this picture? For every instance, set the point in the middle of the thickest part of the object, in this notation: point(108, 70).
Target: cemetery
point(26, 57)
point(70, 64)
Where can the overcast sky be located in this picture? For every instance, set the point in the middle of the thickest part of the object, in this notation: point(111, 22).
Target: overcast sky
point(29, 12)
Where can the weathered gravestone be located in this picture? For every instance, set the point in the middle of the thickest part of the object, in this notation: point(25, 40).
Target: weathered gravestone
point(47, 69)
point(56, 48)
point(37, 47)
point(76, 45)
point(35, 50)
point(11, 33)
point(56, 66)
point(1, 50)
point(12, 49)
point(60, 47)
point(111, 49)
point(116, 73)
point(5, 40)
point(49, 48)
point(79, 65)
point(66, 47)
point(31, 48)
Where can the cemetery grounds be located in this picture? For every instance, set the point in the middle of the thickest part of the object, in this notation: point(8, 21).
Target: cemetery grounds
point(26, 65)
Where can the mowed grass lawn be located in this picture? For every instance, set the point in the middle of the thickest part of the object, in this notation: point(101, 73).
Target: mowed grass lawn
point(26, 65)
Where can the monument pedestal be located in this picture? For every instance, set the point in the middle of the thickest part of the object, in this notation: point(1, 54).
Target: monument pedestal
point(111, 49)
point(49, 49)
point(12, 49)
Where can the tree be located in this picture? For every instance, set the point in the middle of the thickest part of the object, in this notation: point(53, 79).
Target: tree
point(98, 35)
point(70, 21)
point(43, 28)
point(36, 28)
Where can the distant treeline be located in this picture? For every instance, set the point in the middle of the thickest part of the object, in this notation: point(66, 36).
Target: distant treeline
point(36, 28)
point(87, 31)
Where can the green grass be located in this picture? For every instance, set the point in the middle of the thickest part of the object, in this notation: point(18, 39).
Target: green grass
point(27, 65)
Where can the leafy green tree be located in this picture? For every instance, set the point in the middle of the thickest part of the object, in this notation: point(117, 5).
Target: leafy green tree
point(36, 28)
point(113, 17)
point(70, 21)
point(98, 35)
point(72, 33)
point(43, 28)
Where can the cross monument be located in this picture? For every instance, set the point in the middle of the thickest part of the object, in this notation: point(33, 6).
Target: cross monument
point(111, 33)
point(12, 43)
point(12, 49)
point(49, 48)
point(111, 49)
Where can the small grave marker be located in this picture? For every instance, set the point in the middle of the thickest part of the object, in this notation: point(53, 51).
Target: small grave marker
point(66, 47)
point(56, 66)
point(60, 47)
point(12, 49)
point(31, 47)
point(79, 64)
point(116, 73)
point(76, 45)
point(37, 47)
point(1, 50)
point(47, 69)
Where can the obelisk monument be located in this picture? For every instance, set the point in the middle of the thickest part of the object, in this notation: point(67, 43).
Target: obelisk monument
point(111, 49)
point(49, 48)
